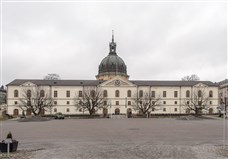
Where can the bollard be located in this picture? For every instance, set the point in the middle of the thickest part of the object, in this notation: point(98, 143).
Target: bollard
point(8, 141)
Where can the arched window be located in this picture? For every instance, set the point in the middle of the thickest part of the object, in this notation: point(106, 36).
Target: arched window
point(105, 93)
point(210, 93)
point(29, 94)
point(129, 93)
point(42, 93)
point(117, 93)
point(140, 93)
point(187, 93)
point(15, 93)
point(199, 93)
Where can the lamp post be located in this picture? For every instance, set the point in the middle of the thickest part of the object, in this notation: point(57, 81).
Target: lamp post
point(224, 122)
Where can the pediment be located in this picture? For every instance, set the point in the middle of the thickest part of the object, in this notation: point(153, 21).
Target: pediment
point(117, 82)
point(200, 85)
point(28, 84)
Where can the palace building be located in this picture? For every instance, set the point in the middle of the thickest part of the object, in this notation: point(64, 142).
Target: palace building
point(119, 91)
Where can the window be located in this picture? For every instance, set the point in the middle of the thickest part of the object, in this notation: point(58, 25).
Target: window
point(164, 102)
point(153, 94)
point(68, 110)
point(55, 93)
point(68, 102)
point(55, 102)
point(42, 93)
point(175, 109)
point(187, 93)
point(105, 102)
point(55, 110)
point(117, 93)
point(164, 93)
point(175, 102)
point(210, 93)
point(164, 109)
point(199, 93)
point(29, 94)
point(117, 102)
point(140, 93)
point(15, 102)
point(129, 93)
point(129, 103)
point(105, 93)
point(210, 102)
point(67, 93)
point(80, 110)
point(175, 94)
point(15, 93)
point(153, 109)
point(188, 102)
point(92, 93)
point(80, 93)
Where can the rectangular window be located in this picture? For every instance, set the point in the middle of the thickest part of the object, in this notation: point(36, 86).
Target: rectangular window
point(55, 93)
point(105, 102)
point(175, 94)
point(68, 102)
point(175, 109)
point(68, 110)
point(153, 94)
point(164, 102)
point(15, 102)
point(210, 102)
point(187, 102)
point(175, 102)
point(67, 93)
point(164, 109)
point(129, 103)
point(55, 102)
point(164, 93)
point(80, 94)
point(117, 102)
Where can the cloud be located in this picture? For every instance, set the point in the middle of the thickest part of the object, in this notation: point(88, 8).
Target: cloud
point(162, 41)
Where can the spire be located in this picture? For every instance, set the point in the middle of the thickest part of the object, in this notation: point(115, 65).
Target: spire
point(112, 36)
point(112, 45)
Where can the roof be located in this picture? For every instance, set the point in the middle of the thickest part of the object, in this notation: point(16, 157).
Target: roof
point(40, 82)
point(173, 83)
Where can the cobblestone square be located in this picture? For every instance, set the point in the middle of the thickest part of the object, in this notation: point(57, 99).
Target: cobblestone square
point(165, 138)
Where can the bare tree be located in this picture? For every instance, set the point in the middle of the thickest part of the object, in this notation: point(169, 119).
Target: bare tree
point(52, 76)
point(197, 102)
point(146, 103)
point(192, 77)
point(91, 100)
point(36, 100)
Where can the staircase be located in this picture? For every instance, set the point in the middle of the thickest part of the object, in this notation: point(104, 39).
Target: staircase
point(117, 116)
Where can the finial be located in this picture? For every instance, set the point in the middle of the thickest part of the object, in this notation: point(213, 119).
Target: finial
point(112, 35)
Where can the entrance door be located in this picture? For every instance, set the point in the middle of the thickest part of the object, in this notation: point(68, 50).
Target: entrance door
point(15, 112)
point(117, 111)
point(129, 113)
point(210, 111)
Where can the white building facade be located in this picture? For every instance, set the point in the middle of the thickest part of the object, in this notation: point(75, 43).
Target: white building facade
point(120, 92)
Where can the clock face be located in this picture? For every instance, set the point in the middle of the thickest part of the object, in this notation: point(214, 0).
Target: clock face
point(117, 82)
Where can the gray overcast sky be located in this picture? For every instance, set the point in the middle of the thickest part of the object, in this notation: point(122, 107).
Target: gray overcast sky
point(157, 41)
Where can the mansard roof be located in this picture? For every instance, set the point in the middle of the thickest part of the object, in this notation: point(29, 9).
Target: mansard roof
point(18, 82)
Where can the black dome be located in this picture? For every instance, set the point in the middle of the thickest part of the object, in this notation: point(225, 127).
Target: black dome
point(112, 63)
